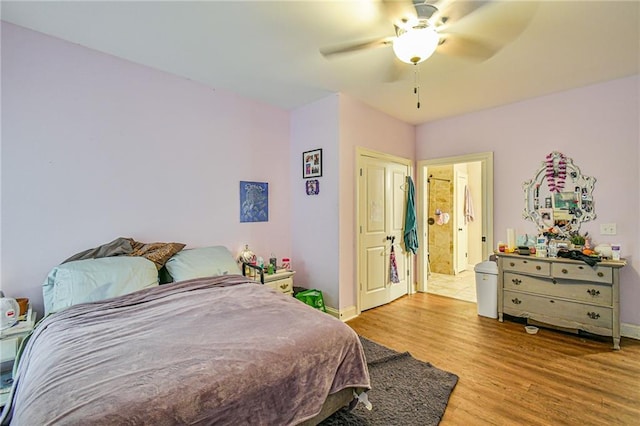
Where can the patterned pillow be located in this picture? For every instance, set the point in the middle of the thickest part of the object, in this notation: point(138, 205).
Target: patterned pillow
point(158, 253)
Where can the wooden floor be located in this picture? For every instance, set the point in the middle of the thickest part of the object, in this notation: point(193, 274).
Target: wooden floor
point(508, 377)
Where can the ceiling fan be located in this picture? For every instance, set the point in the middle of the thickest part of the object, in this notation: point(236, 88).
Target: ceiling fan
point(472, 29)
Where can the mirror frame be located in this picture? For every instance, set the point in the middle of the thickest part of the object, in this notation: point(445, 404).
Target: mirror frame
point(551, 206)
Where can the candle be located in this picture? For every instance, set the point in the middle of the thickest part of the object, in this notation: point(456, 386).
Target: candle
point(511, 238)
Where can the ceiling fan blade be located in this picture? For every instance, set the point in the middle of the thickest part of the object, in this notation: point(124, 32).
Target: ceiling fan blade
point(500, 22)
point(370, 44)
point(449, 11)
point(467, 47)
point(400, 12)
point(482, 34)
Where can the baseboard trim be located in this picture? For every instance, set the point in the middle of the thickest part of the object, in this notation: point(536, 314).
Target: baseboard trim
point(631, 331)
point(343, 315)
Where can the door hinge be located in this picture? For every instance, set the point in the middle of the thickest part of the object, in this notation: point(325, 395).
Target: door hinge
point(484, 239)
point(360, 172)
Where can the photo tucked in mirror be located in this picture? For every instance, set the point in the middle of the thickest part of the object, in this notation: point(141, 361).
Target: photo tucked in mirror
point(559, 198)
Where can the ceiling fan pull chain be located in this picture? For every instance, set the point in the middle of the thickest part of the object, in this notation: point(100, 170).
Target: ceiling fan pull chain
point(416, 88)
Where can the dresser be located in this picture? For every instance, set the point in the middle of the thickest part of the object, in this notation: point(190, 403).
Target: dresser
point(561, 292)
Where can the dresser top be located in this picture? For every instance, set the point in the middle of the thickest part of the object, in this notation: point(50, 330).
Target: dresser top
point(608, 262)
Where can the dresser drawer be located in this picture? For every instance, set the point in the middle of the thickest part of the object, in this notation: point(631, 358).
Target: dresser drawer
point(600, 274)
point(559, 312)
point(527, 266)
point(600, 294)
point(284, 285)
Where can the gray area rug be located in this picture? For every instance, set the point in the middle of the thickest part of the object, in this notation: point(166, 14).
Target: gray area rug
point(404, 391)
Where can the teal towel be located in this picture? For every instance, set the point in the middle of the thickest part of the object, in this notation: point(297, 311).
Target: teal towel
point(410, 224)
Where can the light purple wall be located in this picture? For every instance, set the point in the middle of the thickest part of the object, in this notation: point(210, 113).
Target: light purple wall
point(362, 126)
point(94, 148)
point(314, 226)
point(597, 126)
point(323, 228)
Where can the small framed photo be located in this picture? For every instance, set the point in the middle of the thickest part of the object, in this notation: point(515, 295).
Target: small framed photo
point(312, 164)
point(313, 187)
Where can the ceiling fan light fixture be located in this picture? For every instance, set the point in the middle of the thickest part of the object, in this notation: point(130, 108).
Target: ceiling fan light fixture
point(416, 44)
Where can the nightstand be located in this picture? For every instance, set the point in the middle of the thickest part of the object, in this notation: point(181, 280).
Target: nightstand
point(10, 340)
point(281, 280)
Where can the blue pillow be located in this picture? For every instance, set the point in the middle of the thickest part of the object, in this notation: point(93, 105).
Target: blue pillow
point(90, 280)
point(202, 262)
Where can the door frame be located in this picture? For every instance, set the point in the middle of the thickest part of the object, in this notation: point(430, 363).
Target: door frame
point(458, 216)
point(486, 171)
point(364, 152)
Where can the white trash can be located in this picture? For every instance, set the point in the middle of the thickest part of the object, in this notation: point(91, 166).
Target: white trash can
point(487, 288)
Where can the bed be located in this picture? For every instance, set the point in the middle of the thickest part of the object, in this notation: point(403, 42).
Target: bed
point(208, 350)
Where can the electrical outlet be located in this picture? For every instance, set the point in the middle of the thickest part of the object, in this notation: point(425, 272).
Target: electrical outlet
point(608, 229)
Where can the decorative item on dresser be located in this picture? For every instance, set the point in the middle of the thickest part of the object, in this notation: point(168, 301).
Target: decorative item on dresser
point(564, 293)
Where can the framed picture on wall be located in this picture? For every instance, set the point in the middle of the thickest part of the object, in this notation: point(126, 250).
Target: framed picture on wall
point(312, 163)
point(254, 201)
point(313, 187)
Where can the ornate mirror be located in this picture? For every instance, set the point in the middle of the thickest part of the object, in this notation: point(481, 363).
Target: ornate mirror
point(559, 197)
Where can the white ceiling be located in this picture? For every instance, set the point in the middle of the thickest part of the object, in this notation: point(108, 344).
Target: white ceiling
point(269, 50)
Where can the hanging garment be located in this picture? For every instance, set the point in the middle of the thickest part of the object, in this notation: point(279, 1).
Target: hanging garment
point(468, 206)
point(393, 267)
point(410, 223)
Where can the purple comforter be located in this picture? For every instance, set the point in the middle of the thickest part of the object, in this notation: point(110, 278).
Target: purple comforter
point(220, 350)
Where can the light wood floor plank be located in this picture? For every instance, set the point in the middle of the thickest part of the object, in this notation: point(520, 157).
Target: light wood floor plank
point(508, 377)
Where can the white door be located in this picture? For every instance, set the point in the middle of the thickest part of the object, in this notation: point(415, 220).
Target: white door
point(461, 232)
point(381, 207)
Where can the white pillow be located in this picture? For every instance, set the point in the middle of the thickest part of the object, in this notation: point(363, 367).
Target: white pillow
point(90, 280)
point(202, 262)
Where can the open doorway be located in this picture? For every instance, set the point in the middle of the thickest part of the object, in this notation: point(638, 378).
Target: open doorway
point(455, 209)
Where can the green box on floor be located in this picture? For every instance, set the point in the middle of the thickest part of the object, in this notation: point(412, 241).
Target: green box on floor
point(312, 298)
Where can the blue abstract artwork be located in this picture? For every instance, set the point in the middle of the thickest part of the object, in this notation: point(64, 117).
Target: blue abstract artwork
point(254, 201)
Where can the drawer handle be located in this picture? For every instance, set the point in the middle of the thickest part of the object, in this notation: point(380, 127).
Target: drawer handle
point(283, 286)
point(600, 274)
point(516, 281)
point(564, 271)
point(538, 267)
point(593, 315)
point(553, 280)
point(580, 267)
point(594, 292)
point(516, 301)
point(512, 264)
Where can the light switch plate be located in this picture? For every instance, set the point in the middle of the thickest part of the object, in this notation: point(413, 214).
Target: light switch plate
point(608, 229)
